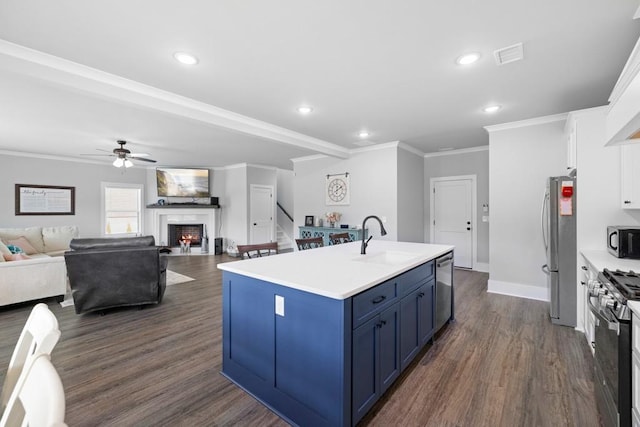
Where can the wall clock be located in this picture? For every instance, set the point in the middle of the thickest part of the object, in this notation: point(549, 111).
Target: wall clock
point(338, 191)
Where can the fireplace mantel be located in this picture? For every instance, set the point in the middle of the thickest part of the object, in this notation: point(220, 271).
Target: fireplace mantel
point(183, 206)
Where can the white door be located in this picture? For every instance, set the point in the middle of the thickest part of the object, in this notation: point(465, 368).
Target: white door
point(453, 218)
point(261, 214)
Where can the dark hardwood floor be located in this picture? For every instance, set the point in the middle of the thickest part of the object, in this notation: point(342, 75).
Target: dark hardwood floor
point(501, 363)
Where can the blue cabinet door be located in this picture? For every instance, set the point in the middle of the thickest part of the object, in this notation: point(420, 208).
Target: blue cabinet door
point(417, 321)
point(427, 312)
point(376, 359)
point(410, 339)
point(365, 384)
point(389, 349)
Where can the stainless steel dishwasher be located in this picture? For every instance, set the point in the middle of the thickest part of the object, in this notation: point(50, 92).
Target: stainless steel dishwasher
point(444, 290)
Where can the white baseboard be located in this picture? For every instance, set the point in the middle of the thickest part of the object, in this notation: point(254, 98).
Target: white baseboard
point(482, 267)
point(517, 290)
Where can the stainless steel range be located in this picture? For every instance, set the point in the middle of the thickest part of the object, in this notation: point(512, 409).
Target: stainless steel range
point(607, 299)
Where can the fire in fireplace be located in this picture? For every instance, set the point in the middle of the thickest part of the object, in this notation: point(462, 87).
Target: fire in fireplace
point(191, 233)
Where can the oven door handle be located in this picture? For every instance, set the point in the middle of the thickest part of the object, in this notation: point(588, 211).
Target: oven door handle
point(612, 325)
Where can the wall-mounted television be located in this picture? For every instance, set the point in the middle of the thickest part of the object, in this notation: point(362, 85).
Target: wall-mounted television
point(176, 182)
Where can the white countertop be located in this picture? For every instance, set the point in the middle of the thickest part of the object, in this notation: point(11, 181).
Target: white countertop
point(338, 271)
point(603, 259)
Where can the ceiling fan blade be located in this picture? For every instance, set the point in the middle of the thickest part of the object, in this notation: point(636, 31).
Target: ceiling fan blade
point(96, 155)
point(143, 159)
point(106, 151)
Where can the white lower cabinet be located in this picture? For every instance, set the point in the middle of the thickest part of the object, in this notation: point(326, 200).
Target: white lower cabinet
point(588, 273)
point(635, 369)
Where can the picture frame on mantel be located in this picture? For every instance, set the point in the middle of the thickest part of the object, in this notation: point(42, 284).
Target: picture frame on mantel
point(308, 220)
point(44, 200)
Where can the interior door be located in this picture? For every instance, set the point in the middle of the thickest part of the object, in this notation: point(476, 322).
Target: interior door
point(261, 208)
point(452, 221)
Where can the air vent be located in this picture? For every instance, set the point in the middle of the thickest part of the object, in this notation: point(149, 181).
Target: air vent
point(509, 54)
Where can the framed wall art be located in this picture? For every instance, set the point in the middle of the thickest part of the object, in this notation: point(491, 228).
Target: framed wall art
point(45, 200)
point(308, 220)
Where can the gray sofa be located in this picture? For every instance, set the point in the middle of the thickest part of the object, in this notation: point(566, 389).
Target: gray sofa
point(106, 273)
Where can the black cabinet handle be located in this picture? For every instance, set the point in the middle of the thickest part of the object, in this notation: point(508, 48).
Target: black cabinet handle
point(584, 267)
point(582, 282)
point(468, 228)
point(627, 202)
point(421, 294)
point(381, 324)
point(379, 299)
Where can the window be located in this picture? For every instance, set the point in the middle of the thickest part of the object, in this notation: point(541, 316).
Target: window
point(122, 209)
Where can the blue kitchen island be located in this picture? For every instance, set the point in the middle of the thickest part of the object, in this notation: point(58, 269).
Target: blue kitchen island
point(319, 335)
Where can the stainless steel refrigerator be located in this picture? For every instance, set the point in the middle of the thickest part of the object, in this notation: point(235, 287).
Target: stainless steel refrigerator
point(559, 236)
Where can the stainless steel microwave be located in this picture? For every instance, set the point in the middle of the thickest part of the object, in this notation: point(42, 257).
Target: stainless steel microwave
point(623, 241)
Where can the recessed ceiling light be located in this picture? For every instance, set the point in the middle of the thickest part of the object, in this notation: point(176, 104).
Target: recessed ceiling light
point(185, 58)
point(304, 109)
point(491, 108)
point(363, 134)
point(468, 58)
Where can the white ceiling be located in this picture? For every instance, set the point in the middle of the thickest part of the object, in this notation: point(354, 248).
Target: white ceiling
point(77, 76)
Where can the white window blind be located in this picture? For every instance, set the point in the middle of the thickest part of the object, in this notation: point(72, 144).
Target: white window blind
point(122, 210)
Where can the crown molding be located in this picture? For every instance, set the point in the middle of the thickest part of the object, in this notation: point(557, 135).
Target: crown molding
point(99, 83)
point(529, 122)
point(460, 151)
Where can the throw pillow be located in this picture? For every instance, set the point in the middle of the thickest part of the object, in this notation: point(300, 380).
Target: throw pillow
point(24, 244)
point(16, 257)
point(4, 250)
point(15, 249)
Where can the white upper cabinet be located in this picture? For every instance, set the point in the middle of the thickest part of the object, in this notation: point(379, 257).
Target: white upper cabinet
point(571, 136)
point(623, 117)
point(630, 179)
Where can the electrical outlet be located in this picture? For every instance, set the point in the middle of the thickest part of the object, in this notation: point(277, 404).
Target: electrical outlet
point(279, 305)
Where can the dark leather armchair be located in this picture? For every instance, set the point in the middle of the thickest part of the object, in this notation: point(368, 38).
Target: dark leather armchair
point(115, 272)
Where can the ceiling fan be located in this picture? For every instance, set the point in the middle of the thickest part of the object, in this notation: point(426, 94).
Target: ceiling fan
point(124, 156)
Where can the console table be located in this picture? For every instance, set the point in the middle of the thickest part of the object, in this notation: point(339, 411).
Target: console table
point(354, 233)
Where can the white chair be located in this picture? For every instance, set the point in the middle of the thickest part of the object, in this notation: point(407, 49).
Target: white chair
point(39, 335)
point(38, 398)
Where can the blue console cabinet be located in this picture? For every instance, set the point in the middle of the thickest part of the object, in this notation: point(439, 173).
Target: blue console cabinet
point(354, 233)
point(326, 361)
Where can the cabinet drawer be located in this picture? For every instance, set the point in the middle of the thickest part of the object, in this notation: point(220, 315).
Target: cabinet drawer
point(409, 280)
point(370, 302)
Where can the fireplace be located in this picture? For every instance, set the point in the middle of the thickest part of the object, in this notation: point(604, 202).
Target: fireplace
point(185, 232)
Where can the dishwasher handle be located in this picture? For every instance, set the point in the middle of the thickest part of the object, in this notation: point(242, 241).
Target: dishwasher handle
point(444, 261)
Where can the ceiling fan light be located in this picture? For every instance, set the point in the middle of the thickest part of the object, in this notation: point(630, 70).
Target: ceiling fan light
point(128, 163)
point(118, 162)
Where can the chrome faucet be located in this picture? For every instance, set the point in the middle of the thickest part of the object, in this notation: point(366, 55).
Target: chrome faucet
point(363, 248)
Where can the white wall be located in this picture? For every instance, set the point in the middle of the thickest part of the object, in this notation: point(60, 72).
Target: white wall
point(410, 196)
point(521, 158)
point(285, 180)
point(458, 164)
point(85, 177)
point(374, 182)
point(235, 210)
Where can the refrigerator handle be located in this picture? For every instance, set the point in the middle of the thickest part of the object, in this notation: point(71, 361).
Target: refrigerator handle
point(545, 269)
point(543, 218)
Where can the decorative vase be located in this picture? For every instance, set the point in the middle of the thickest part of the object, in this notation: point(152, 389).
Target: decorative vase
point(332, 224)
